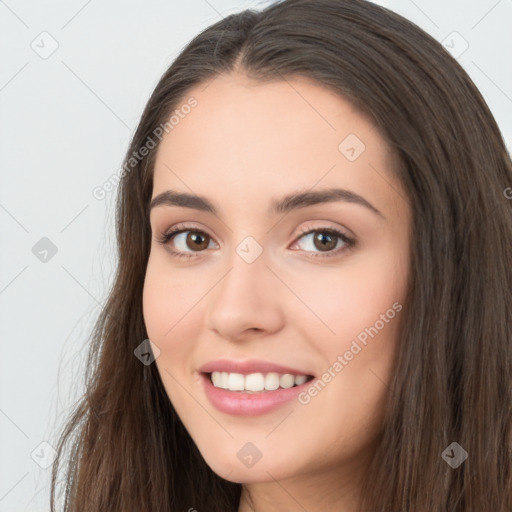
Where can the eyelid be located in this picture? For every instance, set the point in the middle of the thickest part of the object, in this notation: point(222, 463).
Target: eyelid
point(308, 228)
point(180, 227)
point(165, 236)
point(302, 231)
point(349, 240)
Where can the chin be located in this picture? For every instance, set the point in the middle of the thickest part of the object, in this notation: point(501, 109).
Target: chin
point(233, 470)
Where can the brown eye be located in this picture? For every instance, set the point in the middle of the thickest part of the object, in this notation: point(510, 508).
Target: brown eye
point(186, 240)
point(196, 240)
point(325, 240)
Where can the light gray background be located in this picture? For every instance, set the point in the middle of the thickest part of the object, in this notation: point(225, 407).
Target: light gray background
point(66, 120)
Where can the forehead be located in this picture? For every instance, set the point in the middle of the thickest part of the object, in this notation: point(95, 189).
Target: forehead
point(245, 138)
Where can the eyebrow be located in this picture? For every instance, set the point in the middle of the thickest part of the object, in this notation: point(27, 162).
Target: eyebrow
point(277, 206)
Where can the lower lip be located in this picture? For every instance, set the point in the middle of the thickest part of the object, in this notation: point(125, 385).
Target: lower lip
point(249, 404)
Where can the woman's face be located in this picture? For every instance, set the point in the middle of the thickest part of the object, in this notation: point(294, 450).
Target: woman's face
point(280, 278)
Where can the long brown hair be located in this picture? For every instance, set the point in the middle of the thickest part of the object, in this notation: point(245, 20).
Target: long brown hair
point(453, 376)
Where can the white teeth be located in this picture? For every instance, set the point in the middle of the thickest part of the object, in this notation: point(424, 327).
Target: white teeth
point(236, 382)
point(271, 381)
point(300, 379)
point(216, 379)
point(256, 382)
point(286, 381)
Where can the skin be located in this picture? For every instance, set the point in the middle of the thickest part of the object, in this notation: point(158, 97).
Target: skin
point(245, 143)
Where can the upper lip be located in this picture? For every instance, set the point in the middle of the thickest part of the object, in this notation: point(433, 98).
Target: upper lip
point(248, 366)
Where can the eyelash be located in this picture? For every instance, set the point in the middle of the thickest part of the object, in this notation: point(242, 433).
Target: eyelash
point(349, 242)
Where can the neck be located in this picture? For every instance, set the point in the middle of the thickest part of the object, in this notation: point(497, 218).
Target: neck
point(312, 493)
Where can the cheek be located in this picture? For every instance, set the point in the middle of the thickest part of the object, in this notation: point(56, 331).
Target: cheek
point(172, 310)
point(361, 306)
point(353, 299)
point(154, 302)
point(164, 308)
point(166, 299)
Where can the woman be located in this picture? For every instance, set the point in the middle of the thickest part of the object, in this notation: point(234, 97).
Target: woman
point(317, 241)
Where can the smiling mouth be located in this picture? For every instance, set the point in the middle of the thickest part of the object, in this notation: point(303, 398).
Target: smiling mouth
point(256, 382)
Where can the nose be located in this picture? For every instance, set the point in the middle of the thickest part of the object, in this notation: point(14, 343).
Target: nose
point(246, 301)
